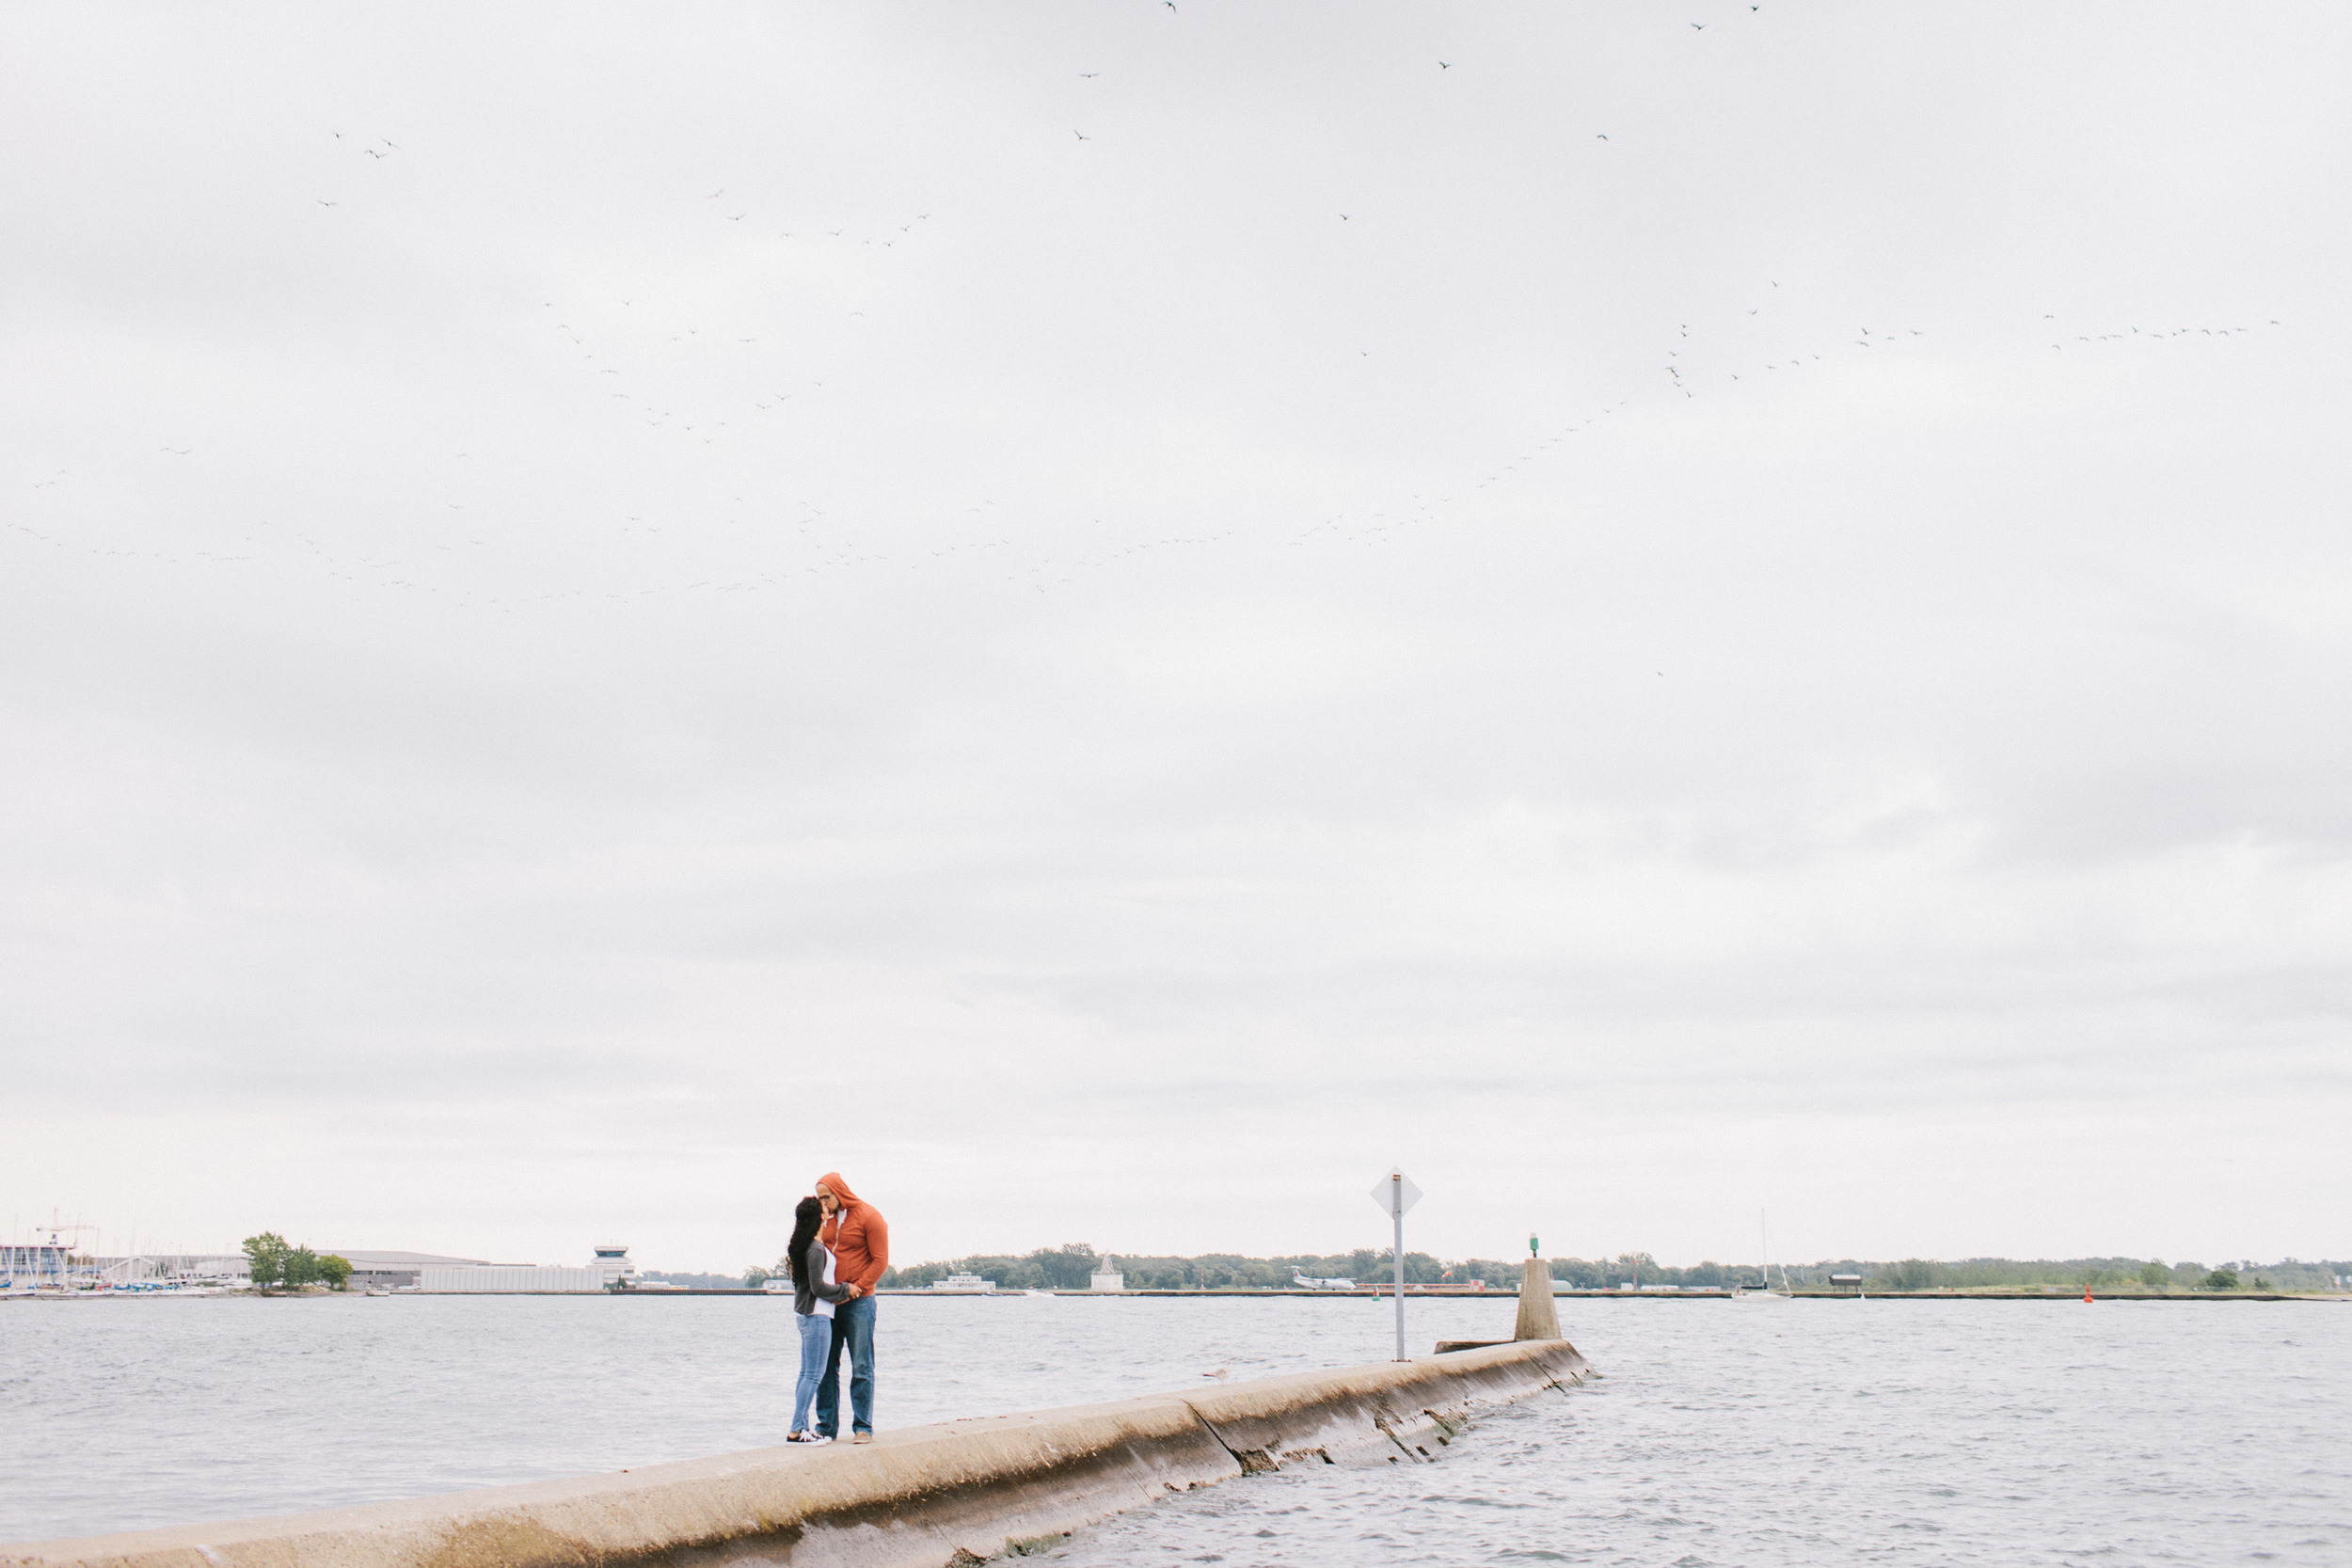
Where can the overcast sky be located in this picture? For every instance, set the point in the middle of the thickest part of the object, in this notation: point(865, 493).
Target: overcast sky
point(1111, 617)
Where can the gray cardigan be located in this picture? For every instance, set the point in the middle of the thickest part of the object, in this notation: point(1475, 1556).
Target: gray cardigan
point(809, 1287)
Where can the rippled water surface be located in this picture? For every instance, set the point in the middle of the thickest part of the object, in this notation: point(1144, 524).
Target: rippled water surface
point(1723, 1432)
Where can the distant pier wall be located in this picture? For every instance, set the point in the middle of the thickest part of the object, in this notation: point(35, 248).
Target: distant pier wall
point(934, 1497)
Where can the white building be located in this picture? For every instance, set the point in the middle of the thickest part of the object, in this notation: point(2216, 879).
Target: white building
point(1107, 1277)
point(394, 1271)
point(37, 1265)
point(608, 1270)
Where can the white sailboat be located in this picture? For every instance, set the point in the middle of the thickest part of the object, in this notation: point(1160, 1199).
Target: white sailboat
point(1766, 1293)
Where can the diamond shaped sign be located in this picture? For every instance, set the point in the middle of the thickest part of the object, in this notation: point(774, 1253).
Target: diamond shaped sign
point(1396, 1193)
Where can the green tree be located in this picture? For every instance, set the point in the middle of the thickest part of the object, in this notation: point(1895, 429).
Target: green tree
point(1062, 1268)
point(2154, 1276)
point(1912, 1274)
point(1632, 1267)
point(301, 1268)
point(335, 1270)
point(914, 1277)
point(755, 1277)
point(2221, 1280)
point(265, 1257)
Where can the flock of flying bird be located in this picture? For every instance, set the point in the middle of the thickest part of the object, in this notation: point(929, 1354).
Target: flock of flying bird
point(619, 361)
point(400, 571)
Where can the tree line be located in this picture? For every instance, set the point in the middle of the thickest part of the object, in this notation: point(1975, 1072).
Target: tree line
point(275, 1265)
point(2289, 1274)
point(1071, 1266)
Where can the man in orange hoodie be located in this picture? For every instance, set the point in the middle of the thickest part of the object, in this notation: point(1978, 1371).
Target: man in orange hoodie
point(860, 1240)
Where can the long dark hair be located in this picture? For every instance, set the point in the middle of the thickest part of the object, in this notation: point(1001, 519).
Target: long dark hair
point(806, 1217)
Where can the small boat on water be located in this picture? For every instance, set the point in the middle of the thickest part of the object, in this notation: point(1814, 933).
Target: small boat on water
point(1745, 1293)
point(965, 1285)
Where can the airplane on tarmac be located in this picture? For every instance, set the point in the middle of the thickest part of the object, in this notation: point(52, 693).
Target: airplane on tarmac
point(1302, 1282)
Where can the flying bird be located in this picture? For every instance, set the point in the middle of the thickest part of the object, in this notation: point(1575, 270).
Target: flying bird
point(1445, 65)
point(1700, 27)
point(1081, 136)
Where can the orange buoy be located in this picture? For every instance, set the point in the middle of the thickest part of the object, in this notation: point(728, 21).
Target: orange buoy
point(2086, 1293)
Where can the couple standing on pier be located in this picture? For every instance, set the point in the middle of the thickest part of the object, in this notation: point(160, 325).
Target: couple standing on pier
point(840, 1247)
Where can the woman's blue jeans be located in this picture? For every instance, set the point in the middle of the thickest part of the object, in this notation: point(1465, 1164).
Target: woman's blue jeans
point(816, 1350)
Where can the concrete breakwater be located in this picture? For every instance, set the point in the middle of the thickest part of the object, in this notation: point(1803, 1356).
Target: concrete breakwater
point(960, 1492)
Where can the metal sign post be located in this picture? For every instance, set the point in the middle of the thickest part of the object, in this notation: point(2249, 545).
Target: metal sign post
point(1396, 1193)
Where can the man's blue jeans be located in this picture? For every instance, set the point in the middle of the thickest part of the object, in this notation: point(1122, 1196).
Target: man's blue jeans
point(852, 1326)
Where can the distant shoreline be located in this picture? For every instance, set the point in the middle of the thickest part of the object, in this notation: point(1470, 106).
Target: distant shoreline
point(1432, 1293)
point(1441, 1294)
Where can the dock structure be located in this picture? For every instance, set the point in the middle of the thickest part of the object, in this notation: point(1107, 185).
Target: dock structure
point(931, 1497)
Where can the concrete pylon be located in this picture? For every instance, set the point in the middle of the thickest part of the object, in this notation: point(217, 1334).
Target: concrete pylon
point(1539, 1318)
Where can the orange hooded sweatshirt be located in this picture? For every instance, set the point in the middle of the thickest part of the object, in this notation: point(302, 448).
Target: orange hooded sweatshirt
point(859, 1236)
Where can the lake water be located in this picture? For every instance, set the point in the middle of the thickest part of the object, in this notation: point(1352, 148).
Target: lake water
point(1760, 1432)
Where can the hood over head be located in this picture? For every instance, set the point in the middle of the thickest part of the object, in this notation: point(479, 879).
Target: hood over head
point(840, 1189)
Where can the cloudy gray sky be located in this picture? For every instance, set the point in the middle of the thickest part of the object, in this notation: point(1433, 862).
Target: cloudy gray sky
point(1112, 617)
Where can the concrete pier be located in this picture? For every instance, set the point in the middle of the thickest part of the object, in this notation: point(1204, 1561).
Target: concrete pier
point(935, 1496)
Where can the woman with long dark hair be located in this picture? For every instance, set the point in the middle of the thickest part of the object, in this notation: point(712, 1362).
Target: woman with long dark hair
point(810, 1262)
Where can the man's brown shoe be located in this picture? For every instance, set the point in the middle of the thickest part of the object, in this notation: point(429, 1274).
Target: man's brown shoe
point(861, 1437)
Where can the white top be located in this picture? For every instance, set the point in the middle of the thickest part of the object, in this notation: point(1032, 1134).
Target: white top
point(820, 1308)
